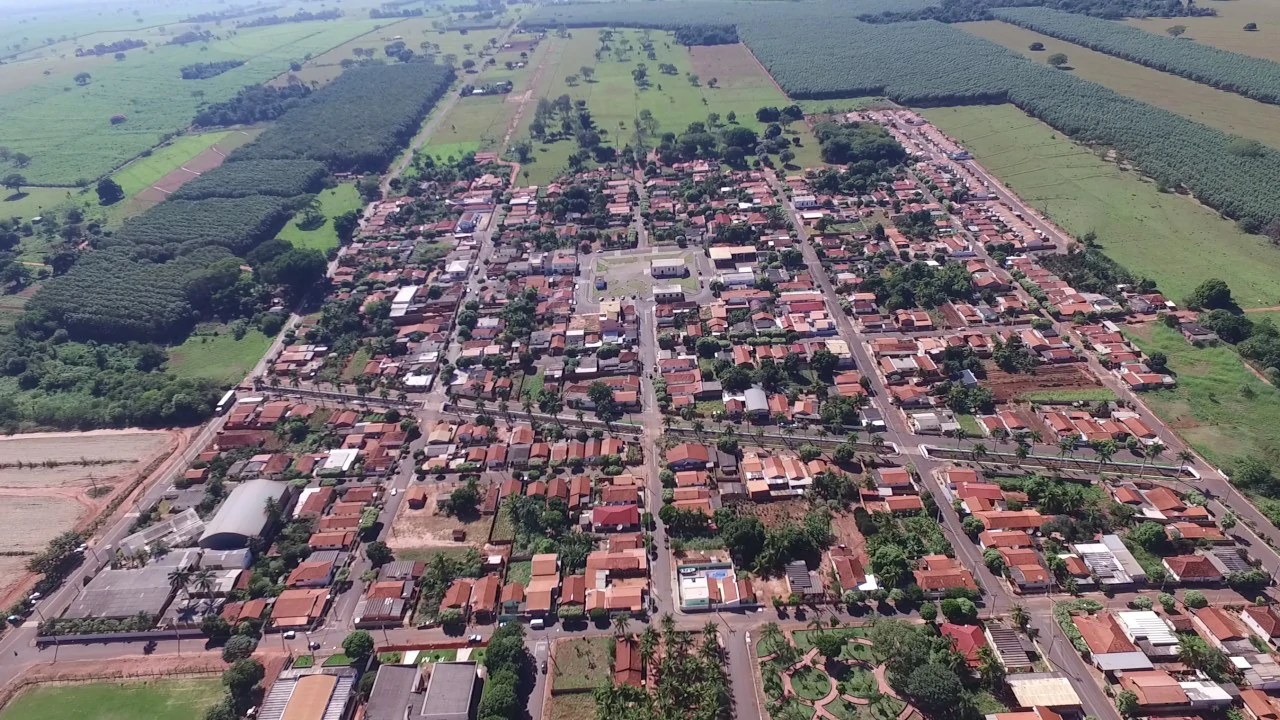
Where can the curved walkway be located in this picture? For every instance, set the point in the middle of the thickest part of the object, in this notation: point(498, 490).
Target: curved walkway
point(820, 705)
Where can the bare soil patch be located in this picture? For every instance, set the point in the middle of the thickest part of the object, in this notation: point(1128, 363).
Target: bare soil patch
point(431, 528)
point(733, 66)
point(777, 514)
point(193, 168)
point(1069, 376)
point(28, 523)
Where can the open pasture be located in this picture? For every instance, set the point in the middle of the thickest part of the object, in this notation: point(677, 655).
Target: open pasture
point(1164, 236)
point(1226, 29)
point(1225, 111)
point(66, 127)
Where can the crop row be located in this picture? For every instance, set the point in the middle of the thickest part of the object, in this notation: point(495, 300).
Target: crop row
point(282, 178)
point(1249, 76)
point(360, 121)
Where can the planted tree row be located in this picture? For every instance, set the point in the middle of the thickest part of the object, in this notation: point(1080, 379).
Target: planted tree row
point(204, 71)
point(358, 122)
point(282, 178)
point(1249, 76)
point(253, 104)
point(178, 227)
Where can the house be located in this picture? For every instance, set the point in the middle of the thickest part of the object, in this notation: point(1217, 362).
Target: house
point(1110, 648)
point(1259, 705)
point(941, 573)
point(627, 663)
point(668, 268)
point(1264, 621)
point(966, 640)
point(1192, 570)
point(615, 518)
point(1155, 690)
point(688, 456)
point(667, 294)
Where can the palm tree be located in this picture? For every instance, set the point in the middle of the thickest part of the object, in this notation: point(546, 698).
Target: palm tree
point(1019, 616)
point(179, 579)
point(771, 635)
point(504, 409)
point(1186, 457)
point(698, 427)
point(1066, 446)
point(621, 622)
point(1036, 437)
point(668, 623)
point(580, 415)
point(877, 442)
point(1000, 435)
point(979, 451)
point(526, 403)
point(710, 648)
point(1105, 451)
point(648, 644)
point(1022, 451)
point(1154, 451)
point(667, 421)
point(961, 434)
point(204, 581)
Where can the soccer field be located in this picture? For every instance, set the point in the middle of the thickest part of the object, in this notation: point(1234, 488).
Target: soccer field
point(149, 700)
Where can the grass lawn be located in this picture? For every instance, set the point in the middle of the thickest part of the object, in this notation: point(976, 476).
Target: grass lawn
point(970, 425)
point(153, 700)
point(35, 201)
point(987, 704)
point(1225, 111)
point(581, 664)
point(435, 656)
point(859, 682)
point(475, 123)
point(1219, 406)
point(571, 706)
point(1068, 396)
point(533, 384)
point(804, 639)
point(519, 571)
point(1171, 239)
point(219, 356)
point(817, 107)
point(333, 202)
point(810, 683)
point(338, 660)
point(304, 661)
point(355, 365)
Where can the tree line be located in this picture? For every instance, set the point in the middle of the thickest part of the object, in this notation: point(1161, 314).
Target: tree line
point(204, 71)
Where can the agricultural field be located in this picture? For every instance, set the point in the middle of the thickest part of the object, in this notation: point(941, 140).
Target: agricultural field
point(146, 171)
point(34, 201)
point(414, 32)
point(1219, 406)
point(153, 699)
point(615, 101)
point(473, 124)
point(333, 202)
point(66, 128)
point(215, 354)
point(1225, 111)
point(30, 522)
point(1168, 238)
point(1226, 29)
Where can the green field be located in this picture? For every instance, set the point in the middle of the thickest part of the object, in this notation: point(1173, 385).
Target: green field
point(1068, 396)
point(145, 171)
point(581, 664)
point(66, 128)
point(1226, 29)
point(475, 123)
point(34, 201)
point(1225, 111)
point(153, 700)
point(615, 100)
point(1171, 239)
point(218, 357)
point(333, 202)
point(1219, 406)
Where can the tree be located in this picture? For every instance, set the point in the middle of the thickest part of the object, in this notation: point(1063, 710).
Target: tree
point(829, 645)
point(1036, 47)
point(109, 191)
point(1127, 703)
point(1167, 603)
point(935, 689)
point(358, 646)
point(928, 612)
point(238, 647)
point(993, 560)
point(1020, 616)
point(243, 675)
point(214, 627)
point(731, 117)
point(1176, 30)
point(83, 78)
point(1058, 60)
point(378, 553)
point(824, 362)
point(1194, 599)
point(890, 565)
point(14, 182)
point(961, 611)
point(990, 668)
point(1210, 295)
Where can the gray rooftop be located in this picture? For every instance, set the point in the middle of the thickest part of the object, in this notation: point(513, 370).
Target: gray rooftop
point(393, 693)
point(243, 514)
point(123, 593)
point(450, 691)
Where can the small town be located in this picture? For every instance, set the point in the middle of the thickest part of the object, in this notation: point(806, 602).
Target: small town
point(810, 411)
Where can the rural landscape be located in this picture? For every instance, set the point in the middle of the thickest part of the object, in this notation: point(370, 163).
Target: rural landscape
point(640, 359)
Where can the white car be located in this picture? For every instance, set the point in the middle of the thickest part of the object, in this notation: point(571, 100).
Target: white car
point(394, 492)
point(289, 635)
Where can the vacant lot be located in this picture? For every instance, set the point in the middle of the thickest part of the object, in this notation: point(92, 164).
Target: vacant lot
point(1220, 407)
point(571, 706)
point(430, 528)
point(153, 700)
point(581, 665)
point(214, 353)
point(1071, 376)
point(333, 202)
point(28, 523)
point(63, 459)
point(1226, 111)
point(1226, 30)
point(1169, 238)
point(475, 123)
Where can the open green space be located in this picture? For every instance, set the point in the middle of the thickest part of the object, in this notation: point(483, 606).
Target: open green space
point(32, 202)
point(1219, 406)
point(1166, 237)
point(475, 123)
point(581, 664)
point(145, 171)
point(970, 425)
point(435, 656)
point(338, 660)
point(66, 126)
point(571, 706)
point(214, 353)
point(333, 202)
point(152, 700)
point(810, 683)
point(1202, 103)
point(818, 107)
point(615, 100)
point(1067, 396)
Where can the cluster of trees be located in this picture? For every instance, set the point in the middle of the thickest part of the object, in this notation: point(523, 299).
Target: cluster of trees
point(118, 46)
point(204, 71)
point(358, 122)
point(253, 104)
point(866, 145)
point(919, 285)
point(1092, 271)
point(300, 16)
point(509, 677)
point(951, 11)
point(924, 668)
point(689, 35)
point(1243, 74)
point(191, 36)
point(690, 680)
point(381, 13)
point(178, 227)
point(282, 178)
